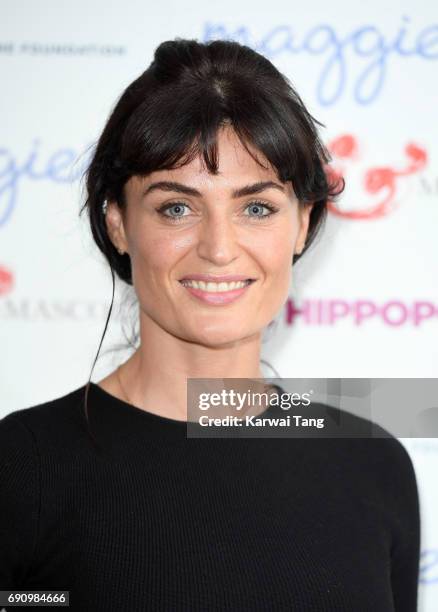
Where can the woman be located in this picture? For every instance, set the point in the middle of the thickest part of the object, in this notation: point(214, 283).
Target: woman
point(209, 170)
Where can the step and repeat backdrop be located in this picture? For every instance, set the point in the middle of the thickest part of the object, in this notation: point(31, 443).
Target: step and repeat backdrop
point(364, 299)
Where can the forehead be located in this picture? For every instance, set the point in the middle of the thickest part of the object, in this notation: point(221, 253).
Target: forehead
point(236, 168)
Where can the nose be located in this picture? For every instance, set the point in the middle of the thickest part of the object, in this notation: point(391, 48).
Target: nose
point(217, 239)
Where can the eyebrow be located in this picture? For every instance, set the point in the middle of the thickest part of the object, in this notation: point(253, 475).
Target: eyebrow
point(237, 193)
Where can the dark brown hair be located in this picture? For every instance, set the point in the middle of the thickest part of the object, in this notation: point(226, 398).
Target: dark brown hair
point(172, 112)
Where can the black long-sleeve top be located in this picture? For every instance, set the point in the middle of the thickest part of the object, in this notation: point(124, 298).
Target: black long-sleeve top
point(156, 520)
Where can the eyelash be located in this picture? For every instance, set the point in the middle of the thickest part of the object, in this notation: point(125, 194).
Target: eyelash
point(161, 210)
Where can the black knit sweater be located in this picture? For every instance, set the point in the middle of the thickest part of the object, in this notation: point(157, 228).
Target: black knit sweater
point(158, 521)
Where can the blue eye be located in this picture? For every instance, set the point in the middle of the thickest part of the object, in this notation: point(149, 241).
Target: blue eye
point(175, 205)
point(259, 205)
point(180, 206)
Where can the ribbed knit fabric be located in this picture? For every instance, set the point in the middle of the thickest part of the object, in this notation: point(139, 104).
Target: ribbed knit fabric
point(158, 521)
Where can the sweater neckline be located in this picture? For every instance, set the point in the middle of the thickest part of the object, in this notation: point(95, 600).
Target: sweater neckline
point(158, 418)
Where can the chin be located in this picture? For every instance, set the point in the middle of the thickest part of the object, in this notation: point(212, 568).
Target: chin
point(222, 336)
point(217, 339)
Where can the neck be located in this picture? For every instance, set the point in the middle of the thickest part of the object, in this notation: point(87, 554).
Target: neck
point(155, 377)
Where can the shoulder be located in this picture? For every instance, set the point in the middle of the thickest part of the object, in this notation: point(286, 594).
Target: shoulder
point(362, 450)
point(61, 407)
point(374, 444)
point(36, 444)
point(371, 453)
point(53, 419)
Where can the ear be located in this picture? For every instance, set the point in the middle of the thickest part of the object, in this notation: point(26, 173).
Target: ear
point(115, 227)
point(304, 217)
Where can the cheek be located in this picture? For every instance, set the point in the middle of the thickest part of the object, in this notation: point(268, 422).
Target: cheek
point(274, 249)
point(155, 254)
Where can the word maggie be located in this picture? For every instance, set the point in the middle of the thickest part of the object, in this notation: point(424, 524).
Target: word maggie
point(360, 55)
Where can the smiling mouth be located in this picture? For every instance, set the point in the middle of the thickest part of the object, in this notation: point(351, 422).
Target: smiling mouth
point(216, 287)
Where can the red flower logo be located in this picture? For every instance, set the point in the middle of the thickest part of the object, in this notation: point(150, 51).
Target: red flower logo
point(379, 180)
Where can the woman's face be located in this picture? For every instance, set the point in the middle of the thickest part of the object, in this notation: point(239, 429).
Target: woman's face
point(206, 227)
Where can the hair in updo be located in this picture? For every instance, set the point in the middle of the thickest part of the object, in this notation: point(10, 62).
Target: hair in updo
point(172, 113)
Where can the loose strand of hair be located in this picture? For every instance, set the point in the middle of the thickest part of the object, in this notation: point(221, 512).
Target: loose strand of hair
point(87, 386)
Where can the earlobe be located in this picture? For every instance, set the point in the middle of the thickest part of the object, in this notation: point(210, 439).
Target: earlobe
point(305, 220)
point(114, 225)
point(306, 212)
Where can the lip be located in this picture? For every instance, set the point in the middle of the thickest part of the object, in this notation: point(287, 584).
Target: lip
point(226, 278)
point(217, 298)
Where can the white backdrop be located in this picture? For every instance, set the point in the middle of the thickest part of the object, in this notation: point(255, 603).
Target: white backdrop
point(367, 71)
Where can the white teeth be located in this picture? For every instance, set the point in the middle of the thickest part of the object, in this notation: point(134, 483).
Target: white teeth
point(214, 287)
